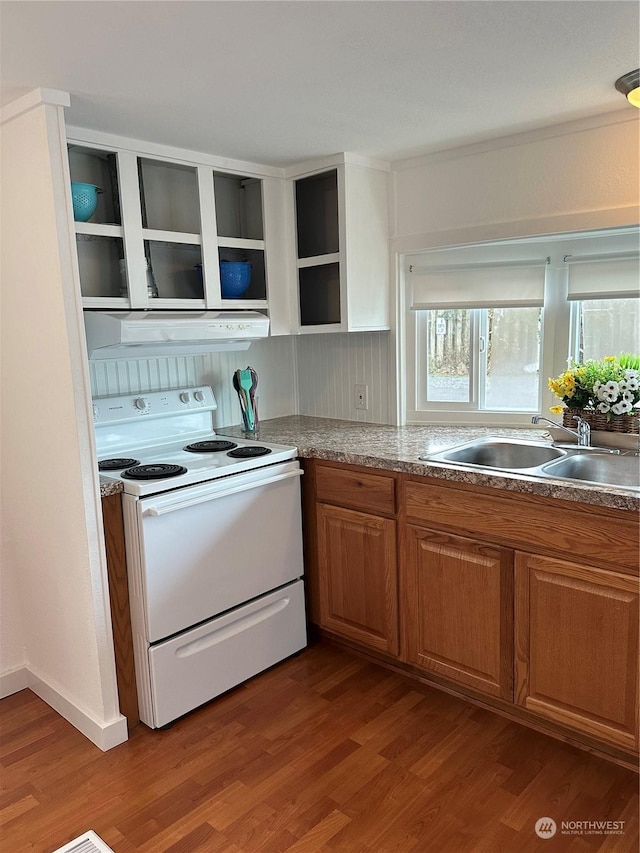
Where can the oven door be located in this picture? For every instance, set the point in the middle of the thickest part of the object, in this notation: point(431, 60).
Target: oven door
point(199, 551)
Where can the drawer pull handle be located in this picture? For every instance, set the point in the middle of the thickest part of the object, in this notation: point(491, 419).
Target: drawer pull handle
point(219, 635)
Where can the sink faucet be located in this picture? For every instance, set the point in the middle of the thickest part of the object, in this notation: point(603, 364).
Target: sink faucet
point(584, 430)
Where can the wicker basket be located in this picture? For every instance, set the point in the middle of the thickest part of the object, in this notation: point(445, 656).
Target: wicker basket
point(598, 421)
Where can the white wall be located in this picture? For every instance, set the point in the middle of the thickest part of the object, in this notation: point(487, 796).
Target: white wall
point(56, 628)
point(330, 365)
point(575, 176)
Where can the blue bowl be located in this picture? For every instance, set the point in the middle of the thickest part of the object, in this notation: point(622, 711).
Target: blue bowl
point(235, 277)
point(85, 200)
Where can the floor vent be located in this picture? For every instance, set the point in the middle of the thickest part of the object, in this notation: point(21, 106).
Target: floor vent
point(88, 842)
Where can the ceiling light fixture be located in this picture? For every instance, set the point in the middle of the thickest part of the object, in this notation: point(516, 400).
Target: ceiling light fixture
point(629, 85)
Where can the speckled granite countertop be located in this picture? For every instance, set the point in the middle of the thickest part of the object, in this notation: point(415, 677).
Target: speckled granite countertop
point(109, 487)
point(398, 448)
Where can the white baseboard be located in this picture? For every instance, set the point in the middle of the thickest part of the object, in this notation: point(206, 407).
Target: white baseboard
point(104, 735)
point(14, 680)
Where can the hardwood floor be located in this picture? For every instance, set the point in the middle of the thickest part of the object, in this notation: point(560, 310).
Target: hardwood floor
point(326, 752)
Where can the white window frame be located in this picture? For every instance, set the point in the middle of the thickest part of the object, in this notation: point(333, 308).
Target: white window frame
point(556, 344)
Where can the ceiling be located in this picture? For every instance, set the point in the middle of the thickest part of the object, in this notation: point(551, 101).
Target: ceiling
point(278, 82)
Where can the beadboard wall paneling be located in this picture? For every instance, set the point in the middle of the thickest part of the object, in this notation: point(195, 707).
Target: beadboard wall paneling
point(272, 358)
point(330, 365)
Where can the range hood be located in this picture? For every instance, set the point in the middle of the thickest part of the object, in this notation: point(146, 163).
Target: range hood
point(141, 334)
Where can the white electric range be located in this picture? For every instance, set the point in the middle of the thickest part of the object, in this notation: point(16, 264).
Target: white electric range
point(213, 536)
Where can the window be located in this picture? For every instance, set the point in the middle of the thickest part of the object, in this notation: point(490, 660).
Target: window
point(605, 327)
point(486, 324)
point(485, 359)
point(605, 315)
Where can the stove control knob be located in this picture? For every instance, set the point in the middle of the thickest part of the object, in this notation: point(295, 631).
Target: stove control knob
point(141, 404)
point(199, 396)
point(185, 397)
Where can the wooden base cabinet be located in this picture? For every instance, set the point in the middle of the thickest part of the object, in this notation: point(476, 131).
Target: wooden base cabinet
point(120, 612)
point(358, 577)
point(457, 607)
point(577, 647)
point(355, 563)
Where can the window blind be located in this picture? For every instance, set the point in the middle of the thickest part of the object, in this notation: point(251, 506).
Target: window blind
point(603, 276)
point(515, 284)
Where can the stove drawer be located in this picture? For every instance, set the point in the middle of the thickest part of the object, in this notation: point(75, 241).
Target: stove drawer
point(191, 669)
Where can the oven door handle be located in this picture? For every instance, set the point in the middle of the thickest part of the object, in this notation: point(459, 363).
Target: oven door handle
point(175, 502)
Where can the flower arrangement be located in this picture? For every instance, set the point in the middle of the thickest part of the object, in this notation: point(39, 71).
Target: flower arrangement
point(610, 386)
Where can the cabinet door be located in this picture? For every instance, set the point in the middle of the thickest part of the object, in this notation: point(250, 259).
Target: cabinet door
point(99, 235)
point(457, 598)
point(358, 577)
point(577, 647)
point(342, 235)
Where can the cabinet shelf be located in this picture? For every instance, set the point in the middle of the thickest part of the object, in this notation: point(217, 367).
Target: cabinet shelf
point(239, 243)
point(318, 261)
point(172, 304)
point(171, 237)
point(95, 229)
point(105, 302)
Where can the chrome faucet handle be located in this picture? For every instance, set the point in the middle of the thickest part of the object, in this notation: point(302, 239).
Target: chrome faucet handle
point(584, 431)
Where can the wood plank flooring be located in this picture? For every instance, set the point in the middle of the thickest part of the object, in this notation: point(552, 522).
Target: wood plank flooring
point(326, 752)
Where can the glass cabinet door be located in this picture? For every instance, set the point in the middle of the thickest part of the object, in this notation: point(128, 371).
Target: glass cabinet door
point(95, 196)
point(172, 233)
point(240, 234)
point(166, 234)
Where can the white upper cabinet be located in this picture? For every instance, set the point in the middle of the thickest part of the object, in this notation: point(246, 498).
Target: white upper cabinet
point(165, 227)
point(342, 255)
point(172, 229)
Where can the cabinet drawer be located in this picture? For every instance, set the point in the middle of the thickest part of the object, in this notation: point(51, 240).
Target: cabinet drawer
point(528, 522)
point(346, 487)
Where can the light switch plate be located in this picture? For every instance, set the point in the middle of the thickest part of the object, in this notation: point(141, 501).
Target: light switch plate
point(361, 396)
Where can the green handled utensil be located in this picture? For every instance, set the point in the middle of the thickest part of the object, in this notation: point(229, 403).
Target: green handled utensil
point(245, 380)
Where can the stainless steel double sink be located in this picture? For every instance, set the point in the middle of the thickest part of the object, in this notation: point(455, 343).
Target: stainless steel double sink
point(539, 459)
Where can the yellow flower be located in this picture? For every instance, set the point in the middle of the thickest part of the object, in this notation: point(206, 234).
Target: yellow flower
point(609, 358)
point(556, 409)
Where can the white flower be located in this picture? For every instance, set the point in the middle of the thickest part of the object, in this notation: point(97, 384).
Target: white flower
point(597, 385)
point(621, 408)
point(611, 387)
point(603, 407)
point(610, 397)
point(627, 396)
point(632, 383)
point(631, 374)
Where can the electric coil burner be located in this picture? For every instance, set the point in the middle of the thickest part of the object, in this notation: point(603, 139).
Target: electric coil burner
point(249, 452)
point(153, 472)
point(117, 464)
point(210, 446)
